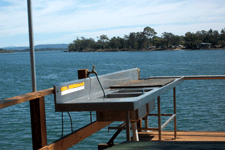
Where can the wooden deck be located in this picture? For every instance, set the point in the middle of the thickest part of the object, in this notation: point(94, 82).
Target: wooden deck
point(183, 136)
point(193, 140)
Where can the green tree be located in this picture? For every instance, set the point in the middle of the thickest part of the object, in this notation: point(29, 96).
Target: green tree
point(103, 41)
point(191, 41)
point(71, 47)
point(201, 35)
point(114, 43)
point(104, 38)
point(222, 34)
point(168, 37)
point(161, 43)
point(149, 33)
point(141, 40)
point(123, 43)
point(132, 41)
point(221, 41)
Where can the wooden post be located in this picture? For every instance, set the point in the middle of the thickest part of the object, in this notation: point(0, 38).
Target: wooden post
point(38, 123)
point(139, 74)
point(146, 121)
point(82, 73)
point(159, 118)
point(139, 124)
point(174, 111)
point(128, 126)
point(134, 131)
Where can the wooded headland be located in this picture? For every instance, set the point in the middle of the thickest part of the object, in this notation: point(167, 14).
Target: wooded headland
point(147, 41)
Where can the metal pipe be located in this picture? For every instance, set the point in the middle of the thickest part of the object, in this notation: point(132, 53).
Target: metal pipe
point(62, 124)
point(96, 74)
point(101, 86)
point(110, 142)
point(32, 54)
point(91, 116)
point(71, 121)
point(168, 121)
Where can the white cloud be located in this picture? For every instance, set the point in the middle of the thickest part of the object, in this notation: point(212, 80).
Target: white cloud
point(111, 17)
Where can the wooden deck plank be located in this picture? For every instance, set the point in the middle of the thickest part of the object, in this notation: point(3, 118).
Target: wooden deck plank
point(183, 136)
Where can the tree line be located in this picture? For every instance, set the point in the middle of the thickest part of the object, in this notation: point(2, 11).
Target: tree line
point(147, 40)
point(5, 51)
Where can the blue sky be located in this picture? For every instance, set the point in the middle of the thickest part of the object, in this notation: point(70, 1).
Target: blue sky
point(62, 21)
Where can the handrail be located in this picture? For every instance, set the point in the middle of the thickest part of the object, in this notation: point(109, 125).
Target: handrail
point(192, 77)
point(25, 97)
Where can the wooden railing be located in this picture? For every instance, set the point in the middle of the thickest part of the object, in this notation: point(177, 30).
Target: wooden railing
point(38, 119)
point(38, 122)
point(26, 97)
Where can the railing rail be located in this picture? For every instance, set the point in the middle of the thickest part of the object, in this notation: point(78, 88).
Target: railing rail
point(193, 77)
point(25, 97)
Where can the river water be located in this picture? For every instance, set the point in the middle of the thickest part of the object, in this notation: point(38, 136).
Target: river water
point(200, 103)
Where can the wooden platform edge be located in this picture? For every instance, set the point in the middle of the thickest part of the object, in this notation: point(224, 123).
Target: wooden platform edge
point(184, 136)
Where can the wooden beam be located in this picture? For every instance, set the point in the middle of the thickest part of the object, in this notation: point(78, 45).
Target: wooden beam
point(194, 77)
point(124, 128)
point(23, 98)
point(204, 77)
point(38, 123)
point(77, 136)
point(161, 114)
point(82, 73)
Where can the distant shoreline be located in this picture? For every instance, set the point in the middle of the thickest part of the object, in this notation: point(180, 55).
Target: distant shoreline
point(108, 50)
point(143, 50)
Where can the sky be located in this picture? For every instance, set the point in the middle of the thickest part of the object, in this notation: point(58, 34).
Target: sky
point(62, 21)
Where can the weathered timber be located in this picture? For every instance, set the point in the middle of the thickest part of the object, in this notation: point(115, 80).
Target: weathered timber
point(82, 73)
point(38, 123)
point(194, 77)
point(159, 119)
point(23, 98)
point(77, 136)
point(184, 136)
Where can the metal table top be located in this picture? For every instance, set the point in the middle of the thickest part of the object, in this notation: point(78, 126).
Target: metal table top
point(89, 97)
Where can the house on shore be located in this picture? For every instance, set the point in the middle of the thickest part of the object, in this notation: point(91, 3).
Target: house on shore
point(205, 46)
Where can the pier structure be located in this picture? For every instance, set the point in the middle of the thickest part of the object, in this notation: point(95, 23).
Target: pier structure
point(139, 108)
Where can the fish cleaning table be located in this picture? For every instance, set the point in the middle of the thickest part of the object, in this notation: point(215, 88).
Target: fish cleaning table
point(123, 92)
point(126, 96)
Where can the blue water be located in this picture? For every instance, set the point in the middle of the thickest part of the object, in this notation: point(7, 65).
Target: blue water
point(200, 103)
